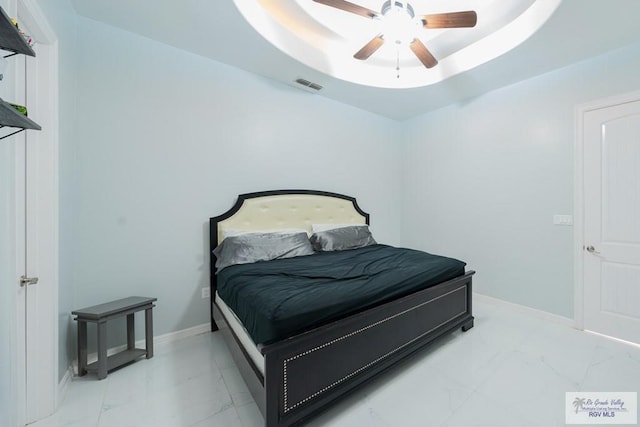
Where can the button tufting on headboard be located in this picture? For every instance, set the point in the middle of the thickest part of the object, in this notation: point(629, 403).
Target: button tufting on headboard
point(291, 211)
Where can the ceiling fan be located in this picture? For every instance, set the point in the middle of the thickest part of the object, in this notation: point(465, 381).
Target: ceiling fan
point(401, 25)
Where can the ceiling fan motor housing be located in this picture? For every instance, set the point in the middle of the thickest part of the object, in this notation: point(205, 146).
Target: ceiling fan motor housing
point(386, 7)
point(400, 25)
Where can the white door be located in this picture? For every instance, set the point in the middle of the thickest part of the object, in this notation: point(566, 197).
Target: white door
point(36, 216)
point(611, 251)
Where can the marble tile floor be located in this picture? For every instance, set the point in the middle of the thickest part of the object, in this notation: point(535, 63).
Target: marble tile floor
point(511, 369)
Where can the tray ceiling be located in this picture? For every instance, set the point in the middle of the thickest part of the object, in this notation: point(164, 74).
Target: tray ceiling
point(577, 30)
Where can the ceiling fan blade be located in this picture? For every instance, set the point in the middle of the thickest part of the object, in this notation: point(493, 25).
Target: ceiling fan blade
point(349, 7)
point(423, 54)
point(451, 20)
point(368, 49)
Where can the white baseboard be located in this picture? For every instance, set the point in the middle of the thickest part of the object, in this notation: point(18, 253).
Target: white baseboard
point(63, 385)
point(524, 309)
point(177, 335)
point(157, 340)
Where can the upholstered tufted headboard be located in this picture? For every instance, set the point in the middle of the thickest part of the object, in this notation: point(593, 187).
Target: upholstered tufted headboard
point(299, 211)
point(283, 209)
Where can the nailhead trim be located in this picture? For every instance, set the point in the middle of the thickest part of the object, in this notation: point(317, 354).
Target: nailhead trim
point(288, 408)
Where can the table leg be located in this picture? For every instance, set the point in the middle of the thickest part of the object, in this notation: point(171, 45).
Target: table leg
point(102, 350)
point(82, 348)
point(148, 331)
point(131, 331)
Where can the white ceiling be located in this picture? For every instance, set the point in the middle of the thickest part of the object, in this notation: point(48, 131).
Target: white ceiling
point(579, 29)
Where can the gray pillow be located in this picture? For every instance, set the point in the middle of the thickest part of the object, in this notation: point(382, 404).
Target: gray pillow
point(342, 238)
point(253, 247)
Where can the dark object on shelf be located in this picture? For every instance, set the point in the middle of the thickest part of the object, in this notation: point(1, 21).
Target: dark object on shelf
point(20, 109)
point(100, 314)
point(10, 37)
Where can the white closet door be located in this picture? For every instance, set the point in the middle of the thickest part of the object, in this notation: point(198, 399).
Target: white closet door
point(36, 211)
point(612, 221)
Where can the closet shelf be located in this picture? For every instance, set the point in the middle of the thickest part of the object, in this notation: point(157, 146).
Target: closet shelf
point(10, 37)
point(11, 40)
point(9, 116)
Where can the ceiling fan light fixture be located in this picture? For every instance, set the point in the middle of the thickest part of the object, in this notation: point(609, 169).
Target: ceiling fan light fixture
point(399, 22)
point(325, 35)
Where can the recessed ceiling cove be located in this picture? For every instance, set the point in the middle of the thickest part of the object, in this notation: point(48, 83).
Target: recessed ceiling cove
point(393, 43)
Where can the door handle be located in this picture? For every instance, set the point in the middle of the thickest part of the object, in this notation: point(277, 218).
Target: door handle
point(591, 249)
point(24, 281)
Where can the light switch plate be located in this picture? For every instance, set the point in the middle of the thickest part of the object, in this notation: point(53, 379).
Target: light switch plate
point(563, 219)
point(206, 292)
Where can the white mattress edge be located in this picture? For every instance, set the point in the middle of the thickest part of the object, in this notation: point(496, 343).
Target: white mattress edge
point(243, 336)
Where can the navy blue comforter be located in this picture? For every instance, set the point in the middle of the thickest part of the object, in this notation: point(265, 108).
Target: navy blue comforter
point(281, 298)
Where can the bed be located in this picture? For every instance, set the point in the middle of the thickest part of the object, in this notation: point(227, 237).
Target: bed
point(294, 374)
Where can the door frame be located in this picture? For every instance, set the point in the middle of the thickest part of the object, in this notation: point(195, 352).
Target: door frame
point(37, 321)
point(579, 195)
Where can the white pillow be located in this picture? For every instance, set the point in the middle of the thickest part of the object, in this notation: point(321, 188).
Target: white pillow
point(316, 228)
point(232, 232)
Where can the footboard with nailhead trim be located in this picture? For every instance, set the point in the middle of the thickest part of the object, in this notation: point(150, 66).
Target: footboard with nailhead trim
point(305, 373)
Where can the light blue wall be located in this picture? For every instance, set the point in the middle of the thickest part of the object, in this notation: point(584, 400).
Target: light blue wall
point(485, 177)
point(166, 139)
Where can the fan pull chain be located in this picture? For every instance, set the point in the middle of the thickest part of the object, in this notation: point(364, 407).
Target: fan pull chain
point(397, 62)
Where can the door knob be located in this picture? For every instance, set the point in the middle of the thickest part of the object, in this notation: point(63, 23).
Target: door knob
point(591, 249)
point(25, 281)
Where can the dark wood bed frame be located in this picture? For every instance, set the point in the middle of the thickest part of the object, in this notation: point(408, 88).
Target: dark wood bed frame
point(305, 373)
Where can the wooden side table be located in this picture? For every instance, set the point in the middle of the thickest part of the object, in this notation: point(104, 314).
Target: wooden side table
point(102, 313)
